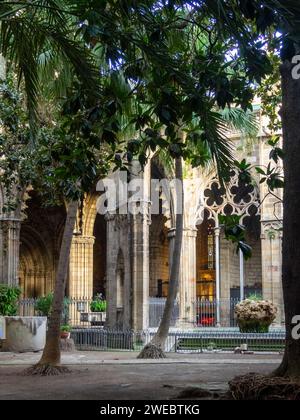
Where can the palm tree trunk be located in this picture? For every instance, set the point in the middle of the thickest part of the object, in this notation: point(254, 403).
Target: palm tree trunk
point(51, 358)
point(291, 222)
point(157, 346)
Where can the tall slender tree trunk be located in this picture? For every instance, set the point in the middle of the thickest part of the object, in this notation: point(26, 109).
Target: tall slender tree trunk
point(291, 221)
point(51, 358)
point(157, 346)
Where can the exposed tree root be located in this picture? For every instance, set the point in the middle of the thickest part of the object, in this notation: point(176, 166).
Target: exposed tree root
point(253, 387)
point(46, 370)
point(151, 351)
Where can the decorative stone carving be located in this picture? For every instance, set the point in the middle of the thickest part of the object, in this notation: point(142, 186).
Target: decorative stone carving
point(236, 198)
point(271, 229)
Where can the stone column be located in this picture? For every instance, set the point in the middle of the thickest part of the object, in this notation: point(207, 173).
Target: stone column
point(140, 271)
point(140, 216)
point(111, 278)
point(81, 267)
point(272, 266)
point(9, 250)
point(187, 281)
point(118, 263)
point(226, 259)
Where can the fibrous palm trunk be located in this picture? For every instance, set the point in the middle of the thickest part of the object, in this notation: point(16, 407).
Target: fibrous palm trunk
point(291, 222)
point(50, 363)
point(157, 346)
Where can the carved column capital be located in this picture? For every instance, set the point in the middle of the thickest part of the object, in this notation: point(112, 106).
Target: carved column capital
point(271, 229)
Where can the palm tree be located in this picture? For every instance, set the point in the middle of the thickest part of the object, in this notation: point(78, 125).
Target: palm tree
point(219, 153)
point(44, 28)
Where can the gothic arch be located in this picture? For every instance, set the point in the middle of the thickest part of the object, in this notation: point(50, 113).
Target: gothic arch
point(89, 215)
point(36, 266)
point(92, 234)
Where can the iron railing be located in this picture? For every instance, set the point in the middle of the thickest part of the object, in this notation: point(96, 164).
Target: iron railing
point(75, 313)
point(200, 341)
point(200, 337)
point(218, 340)
point(78, 313)
point(156, 310)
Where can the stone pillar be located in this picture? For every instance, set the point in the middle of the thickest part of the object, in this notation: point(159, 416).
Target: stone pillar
point(218, 274)
point(140, 216)
point(272, 266)
point(140, 271)
point(111, 279)
point(226, 253)
point(81, 267)
point(187, 294)
point(9, 250)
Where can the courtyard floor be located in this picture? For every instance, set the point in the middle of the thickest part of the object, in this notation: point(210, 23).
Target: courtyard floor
point(120, 376)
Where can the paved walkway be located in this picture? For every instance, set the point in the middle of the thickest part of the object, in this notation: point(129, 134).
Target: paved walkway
point(129, 358)
point(120, 376)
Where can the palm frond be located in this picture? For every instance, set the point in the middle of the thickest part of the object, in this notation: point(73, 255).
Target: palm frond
point(42, 36)
point(243, 121)
point(217, 142)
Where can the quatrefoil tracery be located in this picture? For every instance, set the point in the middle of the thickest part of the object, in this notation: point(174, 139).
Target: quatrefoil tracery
point(237, 198)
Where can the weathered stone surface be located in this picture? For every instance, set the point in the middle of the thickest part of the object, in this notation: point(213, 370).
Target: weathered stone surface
point(67, 345)
point(25, 334)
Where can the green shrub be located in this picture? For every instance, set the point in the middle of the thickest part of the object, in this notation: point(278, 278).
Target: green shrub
point(43, 306)
point(98, 304)
point(9, 300)
point(255, 316)
point(253, 326)
point(65, 328)
point(255, 297)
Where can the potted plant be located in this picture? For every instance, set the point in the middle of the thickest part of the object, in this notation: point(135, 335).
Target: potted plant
point(98, 304)
point(43, 305)
point(23, 334)
point(98, 311)
point(65, 332)
point(255, 315)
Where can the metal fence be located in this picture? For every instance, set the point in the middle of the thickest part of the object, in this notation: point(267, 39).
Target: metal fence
point(89, 333)
point(99, 339)
point(78, 314)
point(156, 310)
point(201, 341)
point(205, 312)
point(76, 311)
point(205, 341)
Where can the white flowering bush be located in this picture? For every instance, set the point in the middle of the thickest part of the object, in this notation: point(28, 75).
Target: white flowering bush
point(255, 315)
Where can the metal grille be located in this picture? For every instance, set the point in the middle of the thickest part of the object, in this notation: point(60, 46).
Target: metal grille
point(179, 341)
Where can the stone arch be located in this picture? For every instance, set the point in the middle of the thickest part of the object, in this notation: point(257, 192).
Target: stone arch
point(205, 258)
point(235, 198)
point(89, 215)
point(158, 239)
point(40, 240)
point(89, 246)
point(36, 268)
